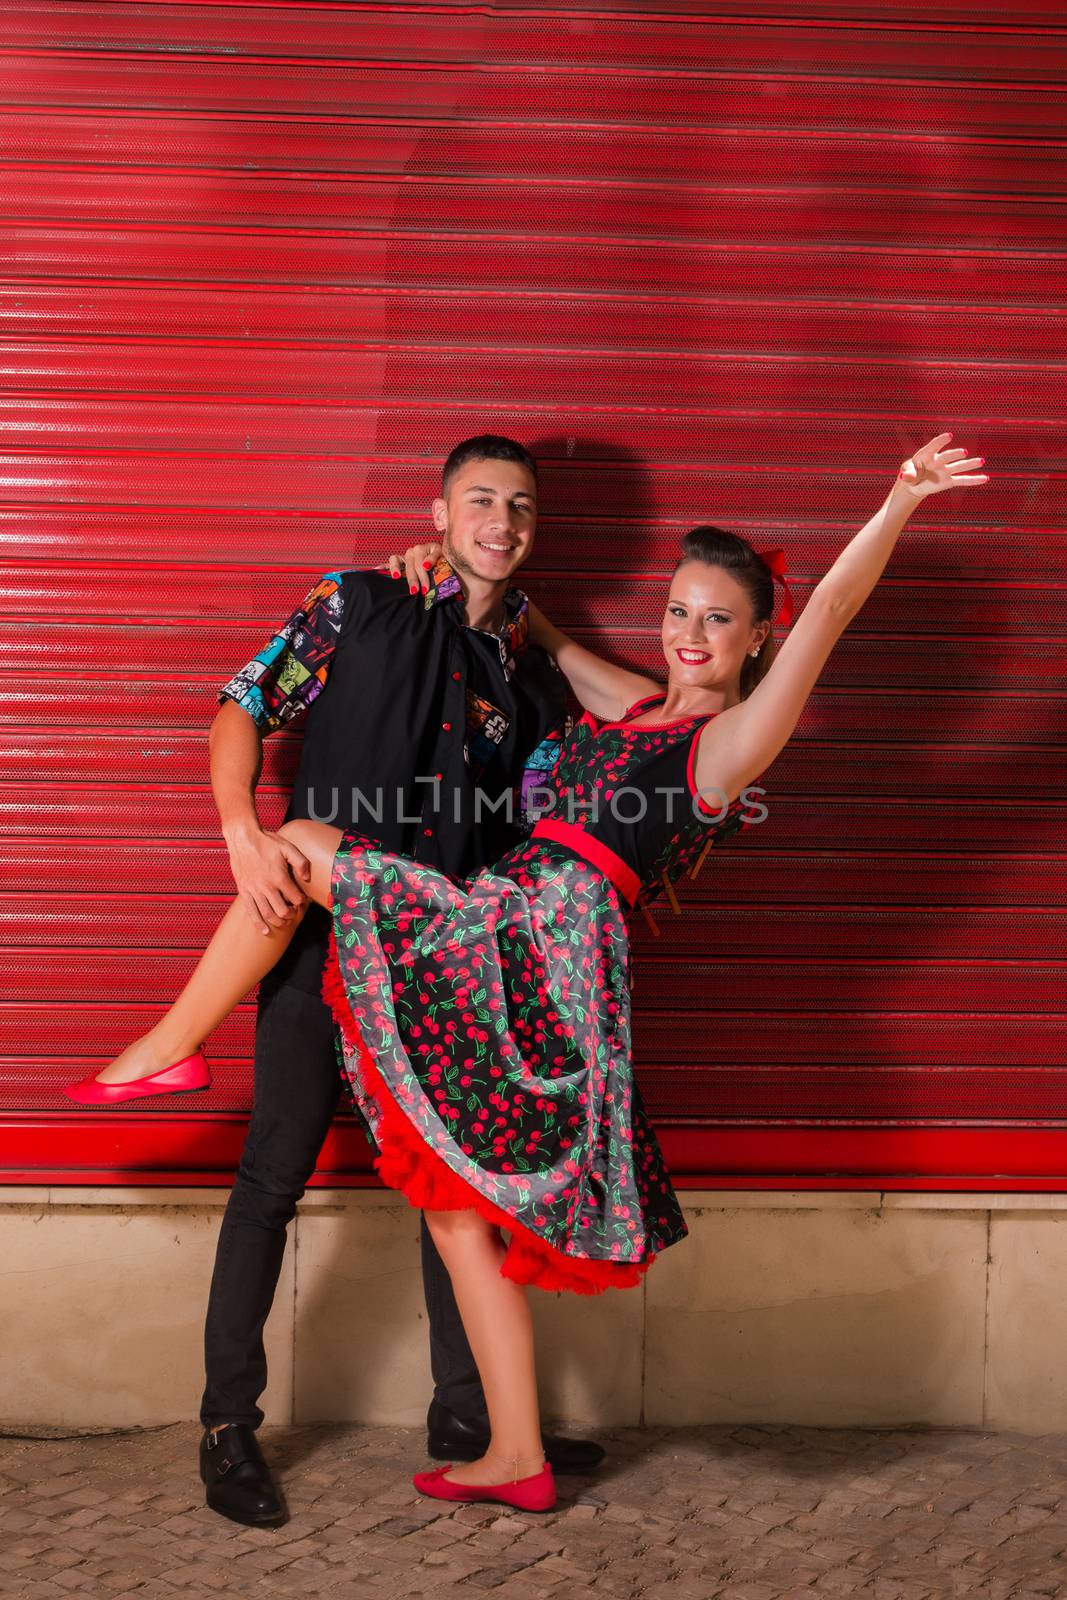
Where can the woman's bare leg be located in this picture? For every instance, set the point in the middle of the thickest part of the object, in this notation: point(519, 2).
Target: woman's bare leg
point(496, 1317)
point(235, 959)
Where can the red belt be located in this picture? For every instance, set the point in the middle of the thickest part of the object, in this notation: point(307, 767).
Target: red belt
point(592, 850)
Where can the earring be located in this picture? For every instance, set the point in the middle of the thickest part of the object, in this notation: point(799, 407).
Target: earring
point(755, 652)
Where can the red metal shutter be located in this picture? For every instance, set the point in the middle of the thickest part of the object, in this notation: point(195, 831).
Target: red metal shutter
point(264, 264)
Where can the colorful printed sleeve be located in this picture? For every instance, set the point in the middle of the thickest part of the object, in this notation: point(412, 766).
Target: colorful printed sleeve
point(289, 672)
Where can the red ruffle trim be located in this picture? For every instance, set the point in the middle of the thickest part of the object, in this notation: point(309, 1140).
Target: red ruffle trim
point(409, 1164)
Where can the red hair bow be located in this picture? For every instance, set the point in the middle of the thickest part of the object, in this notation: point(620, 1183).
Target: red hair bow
point(775, 559)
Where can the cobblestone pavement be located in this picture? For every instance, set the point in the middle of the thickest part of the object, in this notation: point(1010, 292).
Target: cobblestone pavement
point(747, 1513)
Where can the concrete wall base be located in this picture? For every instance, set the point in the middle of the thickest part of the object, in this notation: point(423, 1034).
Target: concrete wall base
point(834, 1309)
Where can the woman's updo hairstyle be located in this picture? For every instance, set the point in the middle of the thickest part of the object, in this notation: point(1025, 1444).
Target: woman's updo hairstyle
point(716, 547)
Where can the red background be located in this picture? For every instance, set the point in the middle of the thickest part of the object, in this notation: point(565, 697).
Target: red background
point(263, 265)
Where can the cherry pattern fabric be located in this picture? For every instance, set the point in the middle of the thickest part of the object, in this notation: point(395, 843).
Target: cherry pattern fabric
point(633, 788)
point(485, 1029)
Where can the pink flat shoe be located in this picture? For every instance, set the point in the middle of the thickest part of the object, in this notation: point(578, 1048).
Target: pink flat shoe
point(537, 1493)
point(192, 1072)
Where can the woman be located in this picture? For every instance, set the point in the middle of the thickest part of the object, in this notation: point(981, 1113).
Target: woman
point(485, 1023)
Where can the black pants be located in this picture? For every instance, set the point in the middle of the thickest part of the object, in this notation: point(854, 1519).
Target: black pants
point(297, 1085)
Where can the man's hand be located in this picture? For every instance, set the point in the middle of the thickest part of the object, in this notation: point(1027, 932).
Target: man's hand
point(934, 468)
point(416, 564)
point(267, 869)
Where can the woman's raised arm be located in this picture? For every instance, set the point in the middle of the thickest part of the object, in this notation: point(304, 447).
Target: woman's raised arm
point(740, 743)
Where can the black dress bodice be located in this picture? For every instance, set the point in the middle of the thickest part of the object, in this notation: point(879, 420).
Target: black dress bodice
point(633, 791)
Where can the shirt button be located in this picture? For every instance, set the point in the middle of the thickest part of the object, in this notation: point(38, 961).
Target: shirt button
point(447, 726)
point(428, 832)
point(456, 677)
point(438, 776)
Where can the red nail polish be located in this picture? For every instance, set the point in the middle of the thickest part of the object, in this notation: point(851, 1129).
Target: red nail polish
point(427, 563)
point(394, 574)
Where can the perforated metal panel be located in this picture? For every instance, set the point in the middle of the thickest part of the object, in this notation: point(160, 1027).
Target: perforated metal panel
point(264, 264)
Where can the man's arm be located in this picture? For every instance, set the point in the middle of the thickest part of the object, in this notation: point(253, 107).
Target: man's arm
point(275, 687)
point(267, 869)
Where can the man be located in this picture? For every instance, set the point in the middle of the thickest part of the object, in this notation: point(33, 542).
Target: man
point(416, 710)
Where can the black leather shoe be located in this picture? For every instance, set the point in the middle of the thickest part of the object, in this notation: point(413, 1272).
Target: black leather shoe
point(239, 1482)
point(449, 1438)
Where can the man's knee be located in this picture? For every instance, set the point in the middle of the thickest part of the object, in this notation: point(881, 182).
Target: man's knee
point(264, 1196)
point(297, 1084)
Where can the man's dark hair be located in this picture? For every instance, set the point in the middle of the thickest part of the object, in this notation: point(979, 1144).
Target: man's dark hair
point(485, 447)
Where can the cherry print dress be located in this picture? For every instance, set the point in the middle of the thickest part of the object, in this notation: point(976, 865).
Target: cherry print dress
point(484, 1022)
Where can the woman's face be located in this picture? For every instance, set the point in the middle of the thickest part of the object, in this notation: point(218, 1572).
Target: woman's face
point(708, 628)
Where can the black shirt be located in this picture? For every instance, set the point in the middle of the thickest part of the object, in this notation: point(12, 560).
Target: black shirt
point(419, 730)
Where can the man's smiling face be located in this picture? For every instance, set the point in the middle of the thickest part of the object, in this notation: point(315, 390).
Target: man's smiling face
point(488, 518)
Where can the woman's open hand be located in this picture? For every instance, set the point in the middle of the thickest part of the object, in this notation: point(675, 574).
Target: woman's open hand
point(416, 564)
point(934, 468)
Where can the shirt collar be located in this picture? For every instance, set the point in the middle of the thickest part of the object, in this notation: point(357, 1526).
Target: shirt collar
point(512, 638)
